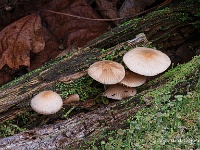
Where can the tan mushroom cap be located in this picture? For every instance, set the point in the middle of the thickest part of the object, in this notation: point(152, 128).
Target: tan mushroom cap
point(118, 91)
point(47, 102)
point(146, 61)
point(107, 72)
point(71, 98)
point(132, 79)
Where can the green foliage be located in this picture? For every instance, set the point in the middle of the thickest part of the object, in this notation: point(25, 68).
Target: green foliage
point(82, 87)
point(182, 16)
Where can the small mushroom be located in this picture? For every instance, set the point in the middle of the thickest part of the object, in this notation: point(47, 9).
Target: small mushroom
point(107, 72)
point(46, 102)
point(118, 91)
point(146, 61)
point(132, 79)
point(71, 98)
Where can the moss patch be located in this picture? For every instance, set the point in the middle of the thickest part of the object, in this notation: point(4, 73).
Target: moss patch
point(171, 122)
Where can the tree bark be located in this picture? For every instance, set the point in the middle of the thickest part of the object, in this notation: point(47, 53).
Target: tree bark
point(168, 28)
point(86, 126)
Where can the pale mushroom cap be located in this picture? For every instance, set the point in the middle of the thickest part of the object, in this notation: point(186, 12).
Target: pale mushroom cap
point(132, 79)
point(146, 61)
point(107, 72)
point(47, 102)
point(118, 91)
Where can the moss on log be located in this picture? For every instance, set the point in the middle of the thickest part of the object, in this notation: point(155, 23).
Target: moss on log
point(75, 130)
point(162, 27)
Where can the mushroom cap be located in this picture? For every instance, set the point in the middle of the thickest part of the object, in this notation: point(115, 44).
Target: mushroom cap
point(107, 72)
point(146, 61)
point(72, 98)
point(132, 79)
point(46, 102)
point(118, 91)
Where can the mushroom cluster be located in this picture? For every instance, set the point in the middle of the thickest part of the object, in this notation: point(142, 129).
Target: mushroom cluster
point(141, 61)
point(121, 83)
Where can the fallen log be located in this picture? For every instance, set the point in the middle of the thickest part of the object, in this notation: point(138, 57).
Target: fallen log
point(65, 70)
point(171, 36)
point(85, 126)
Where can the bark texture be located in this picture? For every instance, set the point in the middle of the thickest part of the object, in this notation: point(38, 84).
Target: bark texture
point(86, 126)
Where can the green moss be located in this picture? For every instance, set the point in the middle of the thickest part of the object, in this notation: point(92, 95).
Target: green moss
point(170, 122)
point(9, 129)
point(81, 86)
point(182, 16)
point(20, 123)
point(162, 126)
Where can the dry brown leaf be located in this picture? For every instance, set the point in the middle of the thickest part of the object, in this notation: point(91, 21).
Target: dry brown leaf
point(32, 45)
point(50, 51)
point(18, 39)
point(132, 7)
point(108, 9)
point(69, 30)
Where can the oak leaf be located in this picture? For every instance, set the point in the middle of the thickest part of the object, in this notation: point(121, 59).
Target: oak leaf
point(20, 38)
point(71, 30)
point(108, 9)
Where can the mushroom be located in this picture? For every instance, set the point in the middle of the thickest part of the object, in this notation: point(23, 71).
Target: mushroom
point(118, 91)
point(107, 72)
point(71, 98)
point(146, 61)
point(46, 102)
point(132, 79)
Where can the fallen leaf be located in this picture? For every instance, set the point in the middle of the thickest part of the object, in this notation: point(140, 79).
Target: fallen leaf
point(18, 39)
point(70, 30)
point(51, 50)
point(108, 9)
point(14, 10)
point(33, 44)
point(132, 7)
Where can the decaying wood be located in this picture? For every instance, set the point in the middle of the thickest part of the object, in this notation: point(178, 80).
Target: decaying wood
point(62, 71)
point(88, 125)
point(170, 36)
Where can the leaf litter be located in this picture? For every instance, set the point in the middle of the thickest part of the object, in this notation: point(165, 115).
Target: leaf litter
point(35, 39)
